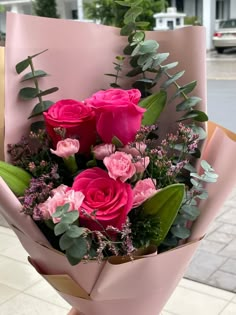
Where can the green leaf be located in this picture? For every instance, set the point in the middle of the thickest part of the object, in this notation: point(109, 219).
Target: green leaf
point(111, 75)
point(48, 91)
point(187, 88)
point(154, 104)
point(174, 78)
point(37, 74)
point(70, 217)
point(41, 52)
point(120, 58)
point(198, 130)
point(28, 93)
point(61, 210)
point(165, 205)
point(37, 125)
point(65, 242)
point(142, 24)
point(60, 228)
point(128, 29)
point(117, 142)
point(159, 58)
point(75, 231)
point(170, 65)
point(128, 50)
point(132, 14)
point(143, 84)
point(192, 211)
point(124, 3)
point(203, 195)
point(194, 182)
point(114, 85)
point(40, 108)
point(190, 168)
point(206, 166)
point(188, 104)
point(138, 37)
point(21, 66)
point(196, 115)
point(145, 58)
point(78, 249)
point(73, 261)
point(134, 72)
point(129, 3)
point(180, 232)
point(148, 46)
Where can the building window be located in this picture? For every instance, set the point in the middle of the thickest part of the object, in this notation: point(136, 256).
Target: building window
point(74, 14)
point(219, 10)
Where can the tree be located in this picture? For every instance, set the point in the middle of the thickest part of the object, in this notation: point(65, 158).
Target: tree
point(46, 8)
point(108, 12)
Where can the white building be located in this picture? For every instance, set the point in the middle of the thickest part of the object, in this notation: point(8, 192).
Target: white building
point(207, 11)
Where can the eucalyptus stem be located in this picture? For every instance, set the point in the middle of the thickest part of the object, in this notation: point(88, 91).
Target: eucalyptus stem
point(35, 79)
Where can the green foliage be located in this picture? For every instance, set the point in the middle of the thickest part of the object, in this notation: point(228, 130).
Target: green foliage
point(45, 8)
point(118, 68)
point(191, 20)
point(154, 104)
point(189, 210)
point(164, 206)
point(29, 93)
point(72, 239)
point(110, 12)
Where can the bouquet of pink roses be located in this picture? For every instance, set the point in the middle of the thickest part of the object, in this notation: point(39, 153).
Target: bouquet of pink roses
point(104, 182)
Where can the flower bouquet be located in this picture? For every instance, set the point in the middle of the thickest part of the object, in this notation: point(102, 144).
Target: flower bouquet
point(106, 193)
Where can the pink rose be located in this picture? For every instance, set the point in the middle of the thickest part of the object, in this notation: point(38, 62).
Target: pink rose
point(76, 118)
point(61, 196)
point(141, 164)
point(102, 150)
point(117, 114)
point(138, 150)
point(143, 190)
point(112, 200)
point(120, 166)
point(66, 148)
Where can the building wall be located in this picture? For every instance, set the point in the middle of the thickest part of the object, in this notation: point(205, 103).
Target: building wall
point(232, 10)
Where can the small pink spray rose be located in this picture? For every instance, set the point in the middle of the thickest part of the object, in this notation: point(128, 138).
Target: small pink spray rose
point(120, 166)
point(62, 195)
point(102, 150)
point(143, 190)
point(66, 148)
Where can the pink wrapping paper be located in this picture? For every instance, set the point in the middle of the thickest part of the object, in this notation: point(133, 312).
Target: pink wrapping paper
point(78, 56)
point(1, 102)
point(77, 60)
point(126, 288)
point(220, 152)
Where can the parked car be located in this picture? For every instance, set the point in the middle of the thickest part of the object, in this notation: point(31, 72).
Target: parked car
point(225, 36)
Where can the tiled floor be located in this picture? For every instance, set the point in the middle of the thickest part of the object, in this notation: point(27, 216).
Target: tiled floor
point(23, 292)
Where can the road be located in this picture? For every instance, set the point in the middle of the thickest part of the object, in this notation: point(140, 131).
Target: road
point(221, 88)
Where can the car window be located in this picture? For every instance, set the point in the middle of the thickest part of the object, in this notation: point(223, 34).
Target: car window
point(228, 24)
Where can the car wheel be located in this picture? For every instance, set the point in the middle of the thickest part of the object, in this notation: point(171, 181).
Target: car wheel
point(220, 50)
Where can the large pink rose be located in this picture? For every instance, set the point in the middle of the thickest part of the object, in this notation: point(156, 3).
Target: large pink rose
point(111, 199)
point(76, 118)
point(117, 114)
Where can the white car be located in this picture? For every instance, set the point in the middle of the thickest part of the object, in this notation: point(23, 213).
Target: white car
point(225, 36)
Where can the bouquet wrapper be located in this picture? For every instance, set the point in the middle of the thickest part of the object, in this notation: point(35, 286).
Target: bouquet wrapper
point(2, 103)
point(77, 60)
point(219, 150)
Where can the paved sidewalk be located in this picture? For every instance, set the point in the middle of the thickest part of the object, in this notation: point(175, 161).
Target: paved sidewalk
point(214, 263)
point(24, 292)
